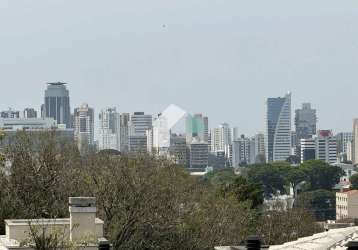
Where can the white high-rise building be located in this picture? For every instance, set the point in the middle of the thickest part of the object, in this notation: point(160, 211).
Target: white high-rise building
point(259, 147)
point(326, 147)
point(350, 151)
point(344, 142)
point(109, 129)
point(162, 127)
point(220, 137)
point(235, 134)
point(84, 126)
point(322, 147)
point(241, 151)
point(355, 142)
point(278, 128)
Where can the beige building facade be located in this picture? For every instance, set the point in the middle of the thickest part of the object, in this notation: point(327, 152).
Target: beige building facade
point(81, 229)
point(347, 205)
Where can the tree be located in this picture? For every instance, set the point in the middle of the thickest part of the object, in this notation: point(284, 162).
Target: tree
point(226, 183)
point(219, 178)
point(320, 203)
point(295, 176)
point(271, 176)
point(244, 191)
point(354, 181)
point(39, 176)
point(146, 203)
point(321, 175)
point(280, 226)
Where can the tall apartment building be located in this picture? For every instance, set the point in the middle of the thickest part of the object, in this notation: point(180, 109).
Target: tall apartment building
point(206, 129)
point(57, 103)
point(323, 147)
point(235, 134)
point(109, 129)
point(30, 113)
point(138, 126)
point(344, 141)
point(139, 123)
point(308, 149)
point(241, 151)
point(220, 137)
point(350, 151)
point(199, 155)
point(124, 132)
point(278, 128)
point(10, 113)
point(84, 126)
point(355, 142)
point(305, 122)
point(326, 147)
point(259, 147)
point(178, 149)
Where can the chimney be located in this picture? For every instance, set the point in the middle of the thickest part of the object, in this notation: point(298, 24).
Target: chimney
point(253, 242)
point(82, 217)
point(103, 244)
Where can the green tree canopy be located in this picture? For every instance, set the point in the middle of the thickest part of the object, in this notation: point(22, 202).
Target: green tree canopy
point(271, 176)
point(321, 203)
point(321, 175)
point(354, 181)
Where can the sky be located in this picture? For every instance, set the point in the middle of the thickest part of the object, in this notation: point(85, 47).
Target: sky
point(222, 58)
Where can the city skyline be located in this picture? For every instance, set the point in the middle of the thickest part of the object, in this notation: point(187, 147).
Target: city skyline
point(216, 59)
point(249, 130)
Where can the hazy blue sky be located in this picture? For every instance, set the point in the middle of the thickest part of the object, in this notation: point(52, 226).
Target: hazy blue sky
point(219, 57)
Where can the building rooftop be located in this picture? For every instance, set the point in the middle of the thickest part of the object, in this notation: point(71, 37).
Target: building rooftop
point(350, 192)
point(81, 228)
point(56, 83)
point(333, 239)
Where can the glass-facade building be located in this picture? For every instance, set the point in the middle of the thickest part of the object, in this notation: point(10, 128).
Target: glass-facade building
point(305, 122)
point(278, 128)
point(57, 103)
point(195, 128)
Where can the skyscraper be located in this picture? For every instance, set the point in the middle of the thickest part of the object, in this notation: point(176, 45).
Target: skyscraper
point(199, 155)
point(260, 148)
point(326, 147)
point(278, 128)
point(235, 134)
point(343, 139)
point(220, 137)
point(178, 149)
point(124, 132)
point(84, 126)
point(241, 151)
point(355, 142)
point(138, 125)
point(195, 128)
point(57, 103)
point(109, 129)
point(305, 122)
